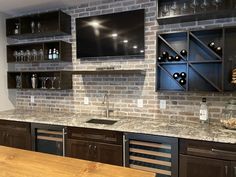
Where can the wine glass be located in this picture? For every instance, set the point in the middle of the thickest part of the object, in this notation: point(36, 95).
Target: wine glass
point(59, 83)
point(165, 10)
point(27, 55)
point(174, 7)
point(217, 3)
point(15, 55)
point(40, 54)
point(53, 79)
point(34, 54)
point(39, 27)
point(32, 25)
point(18, 81)
point(44, 80)
point(205, 4)
point(22, 55)
point(184, 8)
point(194, 4)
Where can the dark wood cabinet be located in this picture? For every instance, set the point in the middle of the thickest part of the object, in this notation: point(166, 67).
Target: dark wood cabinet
point(192, 166)
point(95, 145)
point(55, 23)
point(206, 159)
point(15, 134)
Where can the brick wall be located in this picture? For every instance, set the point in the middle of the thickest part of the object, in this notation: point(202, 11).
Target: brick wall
point(124, 89)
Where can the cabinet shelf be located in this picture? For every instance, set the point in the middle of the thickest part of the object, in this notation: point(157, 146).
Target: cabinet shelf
point(55, 23)
point(64, 51)
point(226, 10)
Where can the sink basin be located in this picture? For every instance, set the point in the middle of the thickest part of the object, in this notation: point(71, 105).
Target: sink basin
point(102, 121)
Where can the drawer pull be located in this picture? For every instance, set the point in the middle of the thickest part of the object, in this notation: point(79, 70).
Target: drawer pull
point(222, 151)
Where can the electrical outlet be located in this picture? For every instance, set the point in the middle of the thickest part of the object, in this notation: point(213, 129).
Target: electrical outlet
point(162, 104)
point(86, 100)
point(31, 99)
point(140, 103)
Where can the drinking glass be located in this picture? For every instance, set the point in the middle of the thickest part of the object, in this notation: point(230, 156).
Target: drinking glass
point(53, 79)
point(174, 8)
point(27, 55)
point(15, 55)
point(217, 3)
point(34, 54)
point(40, 54)
point(194, 5)
point(18, 81)
point(39, 27)
point(184, 8)
point(22, 55)
point(205, 5)
point(59, 83)
point(165, 10)
point(44, 80)
point(32, 25)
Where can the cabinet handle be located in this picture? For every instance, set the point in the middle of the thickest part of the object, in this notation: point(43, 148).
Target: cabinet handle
point(234, 171)
point(90, 146)
point(223, 152)
point(94, 148)
point(124, 150)
point(64, 132)
point(226, 170)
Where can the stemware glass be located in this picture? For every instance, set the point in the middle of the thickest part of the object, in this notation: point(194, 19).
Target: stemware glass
point(22, 55)
point(15, 55)
point(27, 55)
point(165, 10)
point(53, 79)
point(32, 25)
point(34, 54)
point(59, 83)
point(205, 5)
point(174, 8)
point(18, 81)
point(217, 3)
point(44, 80)
point(184, 8)
point(40, 54)
point(194, 5)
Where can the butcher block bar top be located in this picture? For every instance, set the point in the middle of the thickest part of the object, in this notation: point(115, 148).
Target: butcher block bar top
point(21, 163)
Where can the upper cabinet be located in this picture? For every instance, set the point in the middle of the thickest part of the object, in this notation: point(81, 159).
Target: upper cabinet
point(177, 11)
point(48, 24)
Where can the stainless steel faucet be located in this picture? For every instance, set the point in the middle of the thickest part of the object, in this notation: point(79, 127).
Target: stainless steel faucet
point(106, 100)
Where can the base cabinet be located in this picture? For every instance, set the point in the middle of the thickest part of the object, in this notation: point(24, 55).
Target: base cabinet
point(95, 145)
point(15, 134)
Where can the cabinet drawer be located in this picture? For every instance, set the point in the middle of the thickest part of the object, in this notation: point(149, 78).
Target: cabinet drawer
point(96, 135)
point(17, 126)
point(208, 149)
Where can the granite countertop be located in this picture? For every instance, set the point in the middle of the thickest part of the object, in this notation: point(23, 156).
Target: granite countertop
point(196, 131)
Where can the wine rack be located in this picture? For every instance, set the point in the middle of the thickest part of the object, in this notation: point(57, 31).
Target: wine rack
point(178, 11)
point(207, 69)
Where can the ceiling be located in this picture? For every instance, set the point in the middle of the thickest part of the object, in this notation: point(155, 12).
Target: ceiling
point(17, 7)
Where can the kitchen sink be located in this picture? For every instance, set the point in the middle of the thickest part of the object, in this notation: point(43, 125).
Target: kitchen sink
point(102, 121)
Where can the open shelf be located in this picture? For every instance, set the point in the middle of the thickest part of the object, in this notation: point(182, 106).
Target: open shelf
point(206, 70)
point(110, 71)
point(64, 52)
point(55, 23)
point(22, 80)
point(167, 13)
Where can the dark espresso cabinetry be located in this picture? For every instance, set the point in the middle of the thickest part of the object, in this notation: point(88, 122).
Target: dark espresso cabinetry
point(15, 134)
point(206, 159)
point(95, 145)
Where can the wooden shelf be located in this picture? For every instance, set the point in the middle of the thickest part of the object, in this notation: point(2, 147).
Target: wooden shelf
point(55, 23)
point(110, 71)
point(63, 80)
point(64, 49)
point(226, 10)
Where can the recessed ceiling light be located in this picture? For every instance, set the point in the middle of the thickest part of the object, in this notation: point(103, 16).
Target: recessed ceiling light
point(135, 47)
point(125, 41)
point(114, 35)
point(94, 24)
point(141, 51)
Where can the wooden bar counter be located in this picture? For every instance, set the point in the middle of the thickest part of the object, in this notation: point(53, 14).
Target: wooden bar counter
point(21, 163)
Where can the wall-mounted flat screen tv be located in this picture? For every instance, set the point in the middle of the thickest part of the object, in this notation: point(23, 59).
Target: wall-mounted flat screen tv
point(117, 34)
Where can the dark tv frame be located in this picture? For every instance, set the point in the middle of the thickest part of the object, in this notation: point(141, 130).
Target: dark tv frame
point(113, 56)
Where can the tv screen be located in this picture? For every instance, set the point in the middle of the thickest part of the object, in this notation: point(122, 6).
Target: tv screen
point(118, 34)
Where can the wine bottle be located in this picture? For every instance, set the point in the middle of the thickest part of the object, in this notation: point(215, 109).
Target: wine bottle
point(176, 75)
point(183, 75)
point(183, 52)
point(177, 58)
point(165, 55)
point(160, 59)
point(218, 50)
point(170, 58)
point(182, 81)
point(54, 55)
point(212, 45)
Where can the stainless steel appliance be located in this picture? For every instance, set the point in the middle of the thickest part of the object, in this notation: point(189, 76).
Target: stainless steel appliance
point(48, 139)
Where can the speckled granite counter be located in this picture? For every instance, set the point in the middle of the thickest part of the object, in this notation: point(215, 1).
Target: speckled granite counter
point(196, 131)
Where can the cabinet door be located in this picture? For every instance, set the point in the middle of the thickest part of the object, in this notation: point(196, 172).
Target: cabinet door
point(191, 166)
point(108, 153)
point(19, 138)
point(233, 166)
point(3, 137)
point(80, 149)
